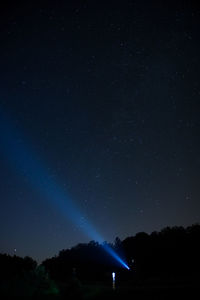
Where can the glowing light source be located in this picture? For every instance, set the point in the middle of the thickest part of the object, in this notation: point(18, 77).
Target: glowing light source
point(21, 156)
point(113, 280)
point(113, 276)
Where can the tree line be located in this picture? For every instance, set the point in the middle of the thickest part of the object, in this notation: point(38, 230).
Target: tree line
point(172, 253)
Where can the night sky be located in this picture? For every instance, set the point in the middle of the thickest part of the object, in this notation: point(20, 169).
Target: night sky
point(106, 95)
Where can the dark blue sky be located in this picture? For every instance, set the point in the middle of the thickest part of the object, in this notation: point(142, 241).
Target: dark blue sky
point(106, 96)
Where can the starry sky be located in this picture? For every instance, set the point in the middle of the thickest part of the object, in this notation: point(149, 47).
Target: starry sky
point(107, 96)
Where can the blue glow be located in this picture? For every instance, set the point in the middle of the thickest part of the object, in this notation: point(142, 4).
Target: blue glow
point(116, 256)
point(26, 163)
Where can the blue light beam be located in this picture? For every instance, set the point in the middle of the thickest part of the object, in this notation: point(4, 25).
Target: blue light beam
point(20, 156)
point(116, 256)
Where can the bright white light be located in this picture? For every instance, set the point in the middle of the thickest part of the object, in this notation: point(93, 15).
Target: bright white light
point(113, 276)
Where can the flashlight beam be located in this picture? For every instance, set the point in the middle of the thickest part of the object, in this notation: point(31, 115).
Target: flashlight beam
point(20, 155)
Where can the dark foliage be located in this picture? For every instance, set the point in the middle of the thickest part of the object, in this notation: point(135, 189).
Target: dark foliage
point(84, 261)
point(20, 277)
point(12, 266)
point(172, 252)
point(160, 262)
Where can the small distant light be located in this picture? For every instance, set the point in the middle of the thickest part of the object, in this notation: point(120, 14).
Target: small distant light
point(113, 275)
